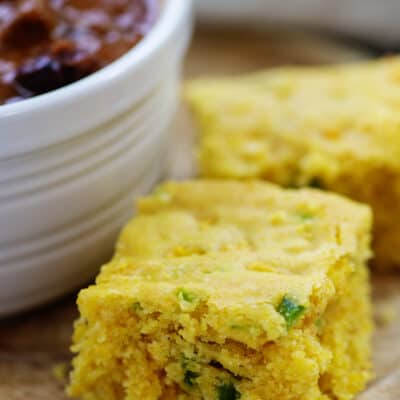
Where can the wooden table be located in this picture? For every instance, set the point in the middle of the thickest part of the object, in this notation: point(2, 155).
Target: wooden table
point(32, 344)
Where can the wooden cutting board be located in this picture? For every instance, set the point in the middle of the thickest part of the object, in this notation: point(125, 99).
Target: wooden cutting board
point(31, 345)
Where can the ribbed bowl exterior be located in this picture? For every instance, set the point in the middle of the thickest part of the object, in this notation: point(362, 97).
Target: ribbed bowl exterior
point(63, 204)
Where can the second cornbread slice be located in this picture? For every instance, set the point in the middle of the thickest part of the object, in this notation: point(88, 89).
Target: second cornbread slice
point(334, 127)
point(228, 290)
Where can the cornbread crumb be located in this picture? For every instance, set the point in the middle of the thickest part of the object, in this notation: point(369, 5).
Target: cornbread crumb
point(384, 314)
point(60, 371)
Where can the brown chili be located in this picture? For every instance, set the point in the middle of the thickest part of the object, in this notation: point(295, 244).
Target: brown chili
point(47, 44)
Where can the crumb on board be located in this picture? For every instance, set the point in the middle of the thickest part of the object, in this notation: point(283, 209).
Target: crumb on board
point(60, 371)
point(384, 314)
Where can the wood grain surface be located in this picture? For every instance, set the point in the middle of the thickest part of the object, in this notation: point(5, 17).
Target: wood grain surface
point(33, 344)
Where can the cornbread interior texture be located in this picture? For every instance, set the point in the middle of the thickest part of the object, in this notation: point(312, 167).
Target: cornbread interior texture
point(333, 127)
point(222, 290)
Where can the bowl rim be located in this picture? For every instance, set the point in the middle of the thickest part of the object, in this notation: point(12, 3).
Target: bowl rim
point(171, 11)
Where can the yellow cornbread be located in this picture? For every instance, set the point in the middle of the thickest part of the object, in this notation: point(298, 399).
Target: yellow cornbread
point(334, 127)
point(222, 290)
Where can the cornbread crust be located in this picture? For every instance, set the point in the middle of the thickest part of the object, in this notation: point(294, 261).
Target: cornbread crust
point(334, 127)
point(194, 304)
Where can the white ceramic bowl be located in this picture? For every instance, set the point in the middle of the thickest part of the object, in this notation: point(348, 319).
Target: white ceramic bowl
point(72, 161)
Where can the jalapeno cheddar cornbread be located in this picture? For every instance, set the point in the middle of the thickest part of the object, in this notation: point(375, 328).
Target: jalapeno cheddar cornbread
point(222, 290)
point(336, 128)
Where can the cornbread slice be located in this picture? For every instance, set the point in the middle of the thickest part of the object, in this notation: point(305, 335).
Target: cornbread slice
point(333, 127)
point(223, 290)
